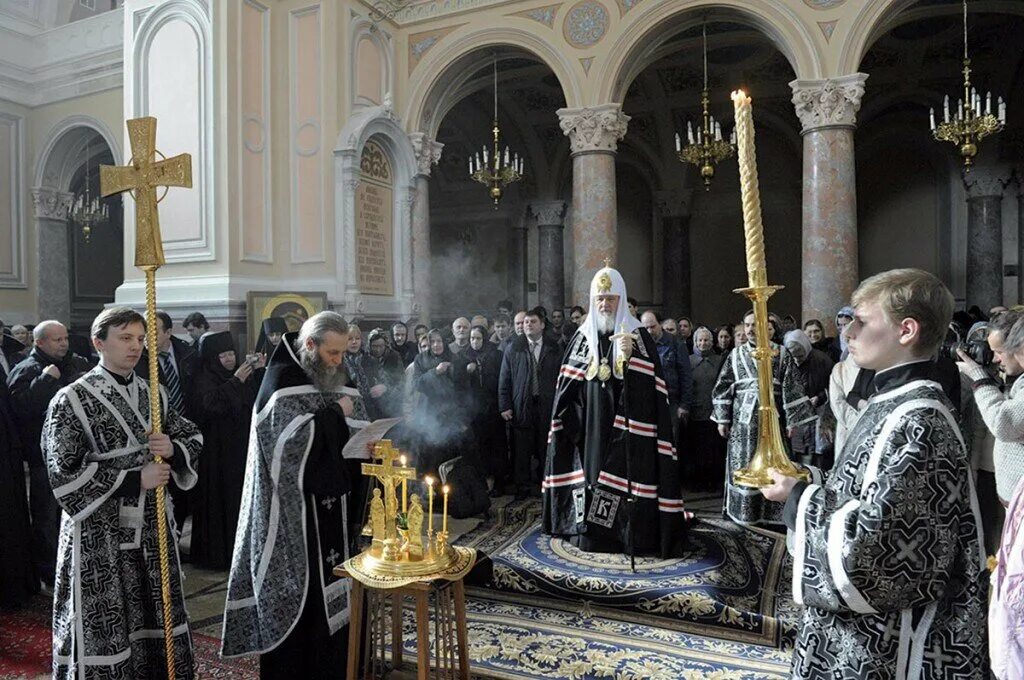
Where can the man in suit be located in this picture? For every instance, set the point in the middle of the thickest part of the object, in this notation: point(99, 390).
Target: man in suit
point(177, 364)
point(526, 392)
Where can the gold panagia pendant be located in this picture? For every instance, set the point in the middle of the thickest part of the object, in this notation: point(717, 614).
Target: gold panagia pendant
point(605, 371)
point(592, 369)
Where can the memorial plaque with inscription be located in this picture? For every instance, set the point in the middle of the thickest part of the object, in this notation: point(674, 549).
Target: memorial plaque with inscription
point(374, 222)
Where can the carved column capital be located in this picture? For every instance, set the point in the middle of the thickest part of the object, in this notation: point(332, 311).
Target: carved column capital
point(548, 213)
point(594, 128)
point(428, 152)
point(986, 181)
point(676, 203)
point(832, 102)
point(51, 204)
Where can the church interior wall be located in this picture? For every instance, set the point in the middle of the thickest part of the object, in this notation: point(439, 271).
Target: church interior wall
point(17, 292)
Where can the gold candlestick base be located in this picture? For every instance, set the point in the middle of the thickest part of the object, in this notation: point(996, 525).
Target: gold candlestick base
point(771, 451)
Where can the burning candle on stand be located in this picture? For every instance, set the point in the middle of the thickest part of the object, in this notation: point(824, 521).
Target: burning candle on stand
point(444, 519)
point(430, 505)
point(405, 488)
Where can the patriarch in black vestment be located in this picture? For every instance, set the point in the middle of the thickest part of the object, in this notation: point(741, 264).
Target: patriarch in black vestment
point(611, 481)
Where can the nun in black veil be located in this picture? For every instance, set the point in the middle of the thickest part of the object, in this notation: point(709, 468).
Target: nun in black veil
point(224, 396)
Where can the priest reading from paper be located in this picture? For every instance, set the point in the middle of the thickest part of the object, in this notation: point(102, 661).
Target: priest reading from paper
point(107, 607)
point(284, 601)
point(611, 433)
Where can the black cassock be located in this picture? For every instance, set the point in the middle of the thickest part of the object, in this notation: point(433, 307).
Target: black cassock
point(223, 408)
point(18, 578)
point(588, 464)
point(283, 600)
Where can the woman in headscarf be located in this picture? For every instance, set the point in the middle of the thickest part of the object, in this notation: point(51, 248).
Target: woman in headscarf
point(439, 421)
point(483, 369)
point(813, 368)
point(706, 449)
point(420, 332)
point(382, 384)
point(354, 354)
point(224, 395)
point(723, 339)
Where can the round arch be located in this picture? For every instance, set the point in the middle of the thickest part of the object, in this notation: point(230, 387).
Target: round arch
point(633, 48)
point(880, 16)
point(444, 69)
point(52, 164)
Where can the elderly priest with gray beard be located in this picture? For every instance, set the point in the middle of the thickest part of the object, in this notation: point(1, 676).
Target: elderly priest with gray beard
point(611, 479)
point(284, 602)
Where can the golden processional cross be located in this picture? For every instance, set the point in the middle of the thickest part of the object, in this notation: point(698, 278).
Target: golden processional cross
point(141, 177)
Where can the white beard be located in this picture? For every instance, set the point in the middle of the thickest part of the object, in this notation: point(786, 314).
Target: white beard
point(605, 323)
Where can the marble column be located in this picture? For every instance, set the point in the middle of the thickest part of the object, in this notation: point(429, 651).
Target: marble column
point(50, 208)
point(551, 260)
point(985, 187)
point(827, 110)
point(677, 267)
point(517, 249)
point(428, 153)
point(594, 134)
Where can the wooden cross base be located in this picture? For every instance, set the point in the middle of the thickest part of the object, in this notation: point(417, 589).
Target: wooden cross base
point(449, 622)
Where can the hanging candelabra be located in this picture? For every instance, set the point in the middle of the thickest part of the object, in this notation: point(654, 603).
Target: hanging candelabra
point(973, 119)
point(708, 148)
point(87, 211)
point(498, 168)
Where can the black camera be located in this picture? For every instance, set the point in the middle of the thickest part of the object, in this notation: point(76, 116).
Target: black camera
point(974, 344)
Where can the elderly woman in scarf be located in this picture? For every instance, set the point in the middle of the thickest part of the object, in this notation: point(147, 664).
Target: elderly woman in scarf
point(706, 449)
point(813, 368)
point(440, 421)
point(483, 371)
point(382, 377)
point(224, 394)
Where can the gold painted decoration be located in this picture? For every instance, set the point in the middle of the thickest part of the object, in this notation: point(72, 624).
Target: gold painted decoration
point(604, 283)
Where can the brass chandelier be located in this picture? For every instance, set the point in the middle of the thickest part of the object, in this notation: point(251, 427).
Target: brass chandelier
point(973, 118)
point(498, 169)
point(708, 148)
point(87, 211)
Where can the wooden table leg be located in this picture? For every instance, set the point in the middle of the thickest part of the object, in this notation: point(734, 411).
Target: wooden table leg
point(355, 628)
point(460, 629)
point(396, 628)
point(422, 636)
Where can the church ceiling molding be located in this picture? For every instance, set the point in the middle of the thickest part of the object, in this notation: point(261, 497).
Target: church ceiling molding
point(586, 63)
point(828, 28)
point(421, 43)
point(653, 24)
point(626, 5)
point(824, 4)
point(443, 71)
point(544, 15)
point(69, 61)
point(585, 24)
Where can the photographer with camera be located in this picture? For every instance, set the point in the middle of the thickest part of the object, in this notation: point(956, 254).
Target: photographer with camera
point(1002, 411)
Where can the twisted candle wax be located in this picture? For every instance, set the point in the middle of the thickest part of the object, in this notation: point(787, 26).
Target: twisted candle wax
point(753, 229)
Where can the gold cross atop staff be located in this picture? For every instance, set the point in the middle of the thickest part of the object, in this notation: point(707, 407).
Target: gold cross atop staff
point(389, 474)
point(141, 178)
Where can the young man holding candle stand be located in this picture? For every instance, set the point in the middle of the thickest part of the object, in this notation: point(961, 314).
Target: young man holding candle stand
point(888, 557)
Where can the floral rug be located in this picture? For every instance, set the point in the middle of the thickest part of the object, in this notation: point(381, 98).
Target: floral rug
point(732, 584)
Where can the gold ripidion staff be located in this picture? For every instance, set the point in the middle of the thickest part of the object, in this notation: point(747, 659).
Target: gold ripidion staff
point(140, 178)
point(770, 451)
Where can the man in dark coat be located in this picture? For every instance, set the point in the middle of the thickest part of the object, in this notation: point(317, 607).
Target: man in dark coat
point(400, 342)
point(33, 383)
point(18, 578)
point(526, 392)
point(383, 377)
point(177, 364)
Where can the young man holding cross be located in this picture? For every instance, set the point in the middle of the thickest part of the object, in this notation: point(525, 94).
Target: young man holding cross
point(888, 557)
point(97, 440)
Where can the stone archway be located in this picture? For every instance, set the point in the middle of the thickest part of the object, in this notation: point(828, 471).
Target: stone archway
point(73, 276)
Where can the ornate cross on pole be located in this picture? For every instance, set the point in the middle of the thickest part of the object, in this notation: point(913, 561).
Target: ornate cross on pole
point(140, 178)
